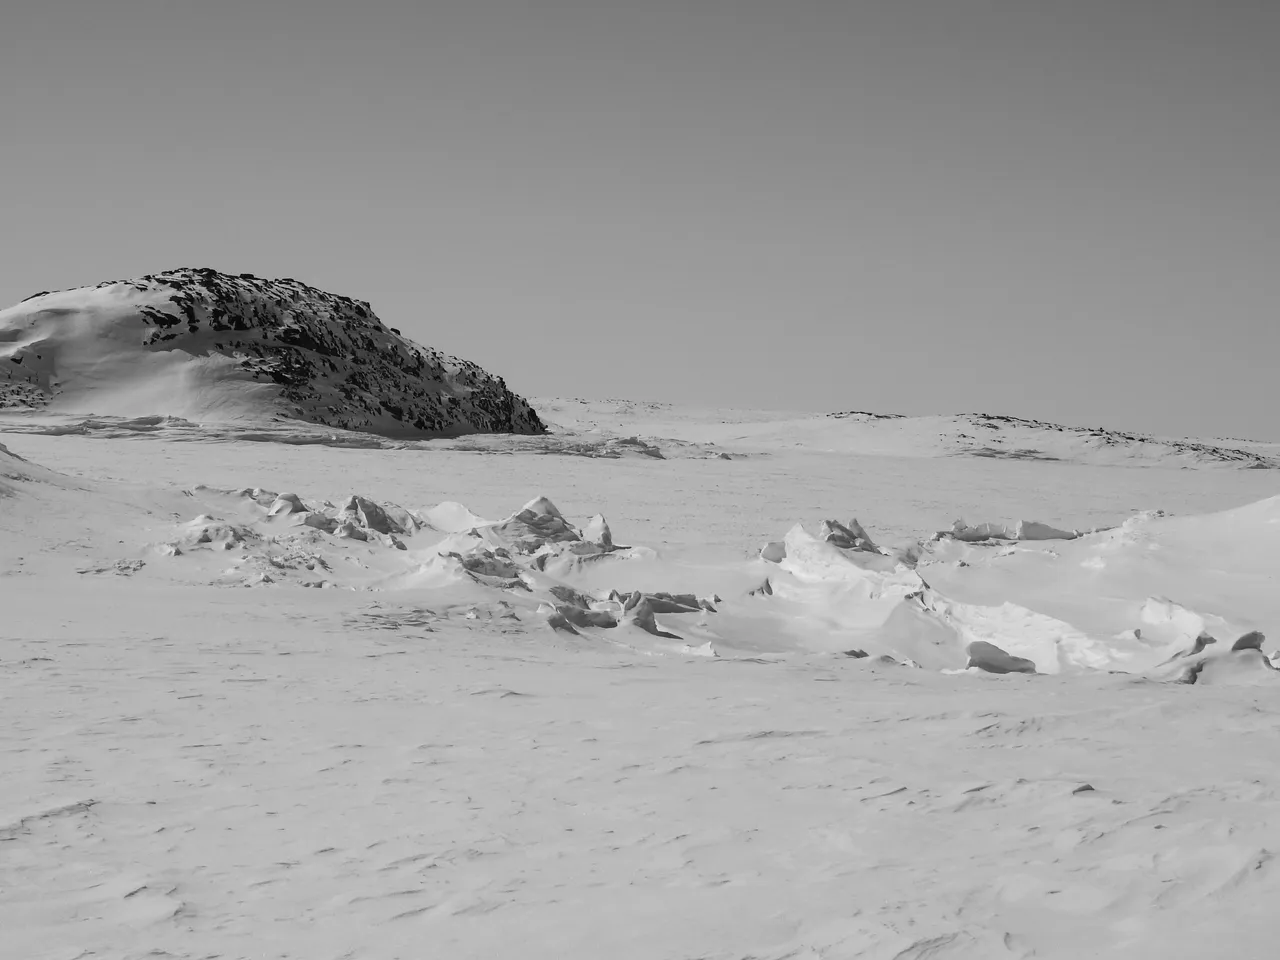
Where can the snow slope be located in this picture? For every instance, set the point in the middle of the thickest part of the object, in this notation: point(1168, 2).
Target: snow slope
point(201, 345)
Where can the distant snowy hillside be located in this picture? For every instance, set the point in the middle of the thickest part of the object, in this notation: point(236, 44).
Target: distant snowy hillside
point(858, 432)
point(204, 345)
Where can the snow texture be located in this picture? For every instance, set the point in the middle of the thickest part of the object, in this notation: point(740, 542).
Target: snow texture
point(289, 691)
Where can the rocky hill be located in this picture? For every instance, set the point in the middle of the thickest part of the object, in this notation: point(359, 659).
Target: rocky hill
point(205, 345)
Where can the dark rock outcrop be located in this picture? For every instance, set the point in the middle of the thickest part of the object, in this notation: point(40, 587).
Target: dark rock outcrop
point(312, 355)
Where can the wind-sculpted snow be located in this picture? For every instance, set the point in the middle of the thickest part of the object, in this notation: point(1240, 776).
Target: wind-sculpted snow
point(251, 718)
point(203, 345)
point(1138, 598)
point(1157, 595)
point(533, 561)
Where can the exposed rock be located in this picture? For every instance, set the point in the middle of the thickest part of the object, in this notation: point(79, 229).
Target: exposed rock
point(202, 344)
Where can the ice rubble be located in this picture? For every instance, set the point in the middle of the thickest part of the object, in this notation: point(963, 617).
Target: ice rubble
point(1024, 530)
point(1053, 601)
point(1179, 599)
point(535, 553)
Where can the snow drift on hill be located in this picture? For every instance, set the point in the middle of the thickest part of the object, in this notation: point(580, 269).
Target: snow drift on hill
point(204, 345)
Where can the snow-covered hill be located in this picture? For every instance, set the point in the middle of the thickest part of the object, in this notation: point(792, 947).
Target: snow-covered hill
point(204, 345)
point(858, 432)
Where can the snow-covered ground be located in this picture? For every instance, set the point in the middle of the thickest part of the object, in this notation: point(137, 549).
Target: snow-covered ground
point(248, 714)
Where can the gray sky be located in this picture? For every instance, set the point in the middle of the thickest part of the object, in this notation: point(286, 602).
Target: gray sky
point(1063, 209)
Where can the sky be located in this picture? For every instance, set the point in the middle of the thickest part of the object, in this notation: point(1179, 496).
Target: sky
point(1067, 209)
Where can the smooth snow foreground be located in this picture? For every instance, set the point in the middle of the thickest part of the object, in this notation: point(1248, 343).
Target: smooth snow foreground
point(325, 720)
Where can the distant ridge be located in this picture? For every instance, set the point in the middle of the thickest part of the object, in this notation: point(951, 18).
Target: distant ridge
point(205, 345)
point(991, 428)
point(860, 432)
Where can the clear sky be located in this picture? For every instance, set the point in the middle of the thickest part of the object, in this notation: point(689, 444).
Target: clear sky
point(1062, 209)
